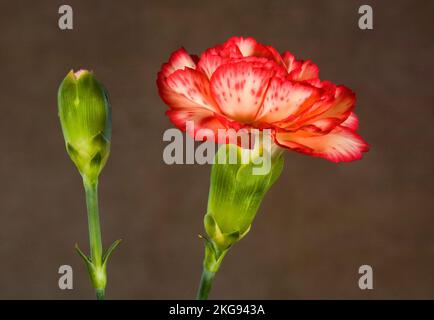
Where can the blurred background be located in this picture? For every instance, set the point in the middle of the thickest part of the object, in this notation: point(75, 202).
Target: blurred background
point(317, 225)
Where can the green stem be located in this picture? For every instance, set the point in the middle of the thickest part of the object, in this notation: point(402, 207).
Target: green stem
point(205, 285)
point(91, 188)
point(211, 264)
point(96, 267)
point(100, 294)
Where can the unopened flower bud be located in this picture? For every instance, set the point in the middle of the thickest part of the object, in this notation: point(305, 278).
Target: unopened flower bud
point(85, 116)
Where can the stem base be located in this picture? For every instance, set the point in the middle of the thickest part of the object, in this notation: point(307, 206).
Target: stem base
point(206, 281)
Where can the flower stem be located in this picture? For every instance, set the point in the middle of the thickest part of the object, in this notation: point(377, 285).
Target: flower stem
point(91, 188)
point(205, 285)
point(100, 294)
point(96, 269)
point(211, 264)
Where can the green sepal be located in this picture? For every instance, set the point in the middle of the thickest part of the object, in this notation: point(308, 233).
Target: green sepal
point(83, 255)
point(109, 251)
point(98, 273)
point(73, 154)
point(220, 239)
point(213, 255)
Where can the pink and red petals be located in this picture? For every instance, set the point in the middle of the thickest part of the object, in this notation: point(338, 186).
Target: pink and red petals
point(249, 47)
point(285, 98)
point(228, 50)
point(193, 86)
point(239, 89)
point(339, 145)
point(305, 71)
point(244, 84)
point(179, 60)
point(202, 119)
point(301, 70)
point(328, 112)
point(209, 62)
point(352, 122)
point(264, 63)
point(246, 46)
point(276, 57)
point(340, 107)
point(291, 63)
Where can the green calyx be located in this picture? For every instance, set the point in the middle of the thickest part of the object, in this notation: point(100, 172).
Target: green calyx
point(85, 117)
point(98, 269)
point(234, 198)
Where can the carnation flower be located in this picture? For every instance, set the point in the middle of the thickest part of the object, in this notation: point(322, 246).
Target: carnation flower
point(245, 84)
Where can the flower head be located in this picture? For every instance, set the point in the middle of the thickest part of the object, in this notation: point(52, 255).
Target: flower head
point(85, 116)
point(244, 84)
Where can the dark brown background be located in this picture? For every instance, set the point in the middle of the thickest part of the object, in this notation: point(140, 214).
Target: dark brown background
point(317, 225)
